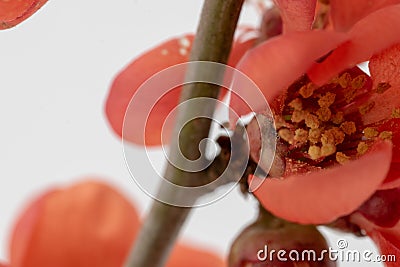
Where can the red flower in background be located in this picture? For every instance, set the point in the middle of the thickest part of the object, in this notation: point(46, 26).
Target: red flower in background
point(13, 12)
point(87, 224)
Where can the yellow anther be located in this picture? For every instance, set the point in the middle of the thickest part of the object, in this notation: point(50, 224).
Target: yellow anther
point(362, 148)
point(324, 114)
point(350, 94)
point(342, 158)
point(396, 113)
point(348, 127)
point(286, 135)
point(312, 121)
point(298, 116)
point(314, 152)
point(327, 138)
point(314, 135)
point(344, 80)
point(338, 135)
point(301, 136)
point(307, 90)
point(296, 104)
point(280, 122)
point(327, 100)
point(327, 150)
point(386, 135)
point(370, 132)
point(337, 118)
point(358, 82)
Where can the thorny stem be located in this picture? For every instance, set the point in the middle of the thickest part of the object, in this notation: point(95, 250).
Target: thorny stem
point(212, 43)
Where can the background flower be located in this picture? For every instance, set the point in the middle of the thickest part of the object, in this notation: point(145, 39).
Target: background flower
point(85, 224)
point(14, 12)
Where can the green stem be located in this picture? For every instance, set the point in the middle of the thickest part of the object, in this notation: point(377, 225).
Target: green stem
point(212, 43)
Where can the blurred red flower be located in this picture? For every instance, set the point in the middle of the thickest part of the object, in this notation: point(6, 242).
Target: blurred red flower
point(86, 224)
point(13, 12)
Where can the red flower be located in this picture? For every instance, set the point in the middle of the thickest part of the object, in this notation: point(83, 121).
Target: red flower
point(333, 115)
point(87, 224)
point(13, 12)
point(294, 54)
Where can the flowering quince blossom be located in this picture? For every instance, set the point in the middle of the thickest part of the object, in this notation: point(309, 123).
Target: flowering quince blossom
point(13, 12)
point(338, 127)
point(86, 224)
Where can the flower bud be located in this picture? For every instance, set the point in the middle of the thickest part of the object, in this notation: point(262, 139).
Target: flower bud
point(270, 241)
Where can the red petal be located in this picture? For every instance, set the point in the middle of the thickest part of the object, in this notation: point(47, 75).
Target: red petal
point(127, 83)
point(184, 256)
point(13, 12)
point(346, 13)
point(134, 75)
point(383, 208)
point(277, 63)
point(393, 178)
point(369, 36)
point(389, 244)
point(239, 49)
point(88, 224)
point(3, 265)
point(297, 15)
point(322, 196)
point(385, 69)
point(387, 239)
point(24, 229)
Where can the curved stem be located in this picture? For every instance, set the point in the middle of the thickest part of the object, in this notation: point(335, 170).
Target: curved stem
point(212, 43)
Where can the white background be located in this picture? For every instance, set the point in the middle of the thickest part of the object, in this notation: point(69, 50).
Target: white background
point(55, 70)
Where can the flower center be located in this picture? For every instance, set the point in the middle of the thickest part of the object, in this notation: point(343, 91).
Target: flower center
point(323, 125)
